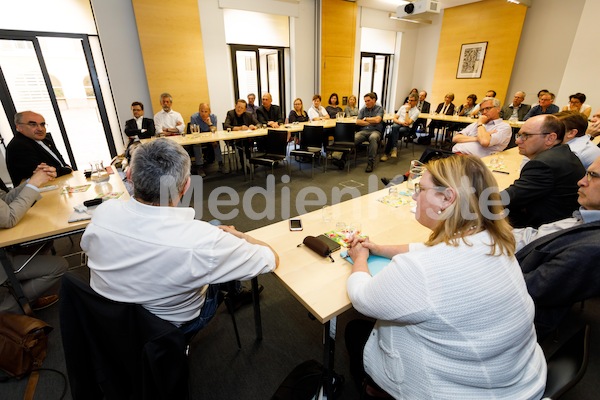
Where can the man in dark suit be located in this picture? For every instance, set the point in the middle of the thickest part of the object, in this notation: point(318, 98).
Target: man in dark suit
point(32, 146)
point(445, 108)
point(269, 113)
point(559, 260)
point(546, 191)
point(517, 107)
point(424, 107)
point(139, 127)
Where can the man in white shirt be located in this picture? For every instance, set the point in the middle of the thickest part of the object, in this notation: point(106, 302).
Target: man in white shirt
point(403, 121)
point(490, 134)
point(167, 121)
point(575, 127)
point(149, 251)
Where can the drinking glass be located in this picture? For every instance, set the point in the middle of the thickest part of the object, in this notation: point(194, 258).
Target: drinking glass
point(414, 174)
point(99, 173)
point(353, 229)
point(327, 214)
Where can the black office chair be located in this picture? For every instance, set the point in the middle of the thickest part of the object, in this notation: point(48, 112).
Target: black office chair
point(567, 365)
point(119, 350)
point(275, 151)
point(343, 141)
point(311, 144)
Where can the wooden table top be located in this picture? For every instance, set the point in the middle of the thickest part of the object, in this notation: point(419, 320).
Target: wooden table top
point(466, 120)
point(49, 216)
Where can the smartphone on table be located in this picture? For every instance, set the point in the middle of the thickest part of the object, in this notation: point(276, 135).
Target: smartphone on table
point(295, 224)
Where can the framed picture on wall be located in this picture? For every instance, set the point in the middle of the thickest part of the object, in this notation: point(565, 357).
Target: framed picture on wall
point(471, 60)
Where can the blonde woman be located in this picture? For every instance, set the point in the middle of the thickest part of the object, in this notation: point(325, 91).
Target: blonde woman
point(298, 114)
point(454, 318)
point(351, 109)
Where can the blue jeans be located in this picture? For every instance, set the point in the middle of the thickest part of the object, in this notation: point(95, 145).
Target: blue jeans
point(211, 303)
point(398, 131)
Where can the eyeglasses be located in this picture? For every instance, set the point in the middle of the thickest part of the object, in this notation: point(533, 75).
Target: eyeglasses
point(34, 124)
point(484, 109)
point(419, 188)
point(591, 174)
point(524, 136)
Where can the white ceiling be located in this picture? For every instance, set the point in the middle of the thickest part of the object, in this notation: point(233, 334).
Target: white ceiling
point(391, 5)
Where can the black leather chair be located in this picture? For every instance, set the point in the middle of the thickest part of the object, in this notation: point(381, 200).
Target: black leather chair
point(119, 350)
point(567, 365)
point(311, 144)
point(343, 141)
point(275, 151)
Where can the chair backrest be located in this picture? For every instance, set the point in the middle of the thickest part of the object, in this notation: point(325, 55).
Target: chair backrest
point(568, 364)
point(276, 142)
point(344, 132)
point(119, 350)
point(312, 136)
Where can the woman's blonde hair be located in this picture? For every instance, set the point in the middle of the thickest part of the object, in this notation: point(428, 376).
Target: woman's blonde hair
point(294, 105)
point(477, 205)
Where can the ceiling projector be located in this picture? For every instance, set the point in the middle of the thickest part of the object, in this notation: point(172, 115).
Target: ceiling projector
point(418, 7)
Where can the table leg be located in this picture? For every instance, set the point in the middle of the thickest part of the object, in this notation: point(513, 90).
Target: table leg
point(257, 317)
point(14, 282)
point(328, 357)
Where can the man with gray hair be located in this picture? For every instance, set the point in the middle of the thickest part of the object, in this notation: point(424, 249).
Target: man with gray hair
point(490, 134)
point(516, 110)
point(149, 251)
point(167, 121)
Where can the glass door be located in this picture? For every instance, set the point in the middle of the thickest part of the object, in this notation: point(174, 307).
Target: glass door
point(258, 70)
point(374, 77)
point(55, 76)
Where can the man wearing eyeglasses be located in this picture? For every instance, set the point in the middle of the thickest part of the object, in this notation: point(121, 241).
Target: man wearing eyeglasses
point(32, 146)
point(490, 134)
point(544, 106)
point(559, 259)
point(546, 191)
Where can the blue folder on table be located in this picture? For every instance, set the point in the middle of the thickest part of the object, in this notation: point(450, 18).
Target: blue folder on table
point(375, 263)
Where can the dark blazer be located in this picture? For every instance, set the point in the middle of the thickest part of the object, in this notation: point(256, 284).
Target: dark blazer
point(561, 269)
point(421, 121)
point(546, 191)
point(274, 114)
point(131, 128)
point(507, 111)
point(23, 155)
point(449, 110)
point(231, 119)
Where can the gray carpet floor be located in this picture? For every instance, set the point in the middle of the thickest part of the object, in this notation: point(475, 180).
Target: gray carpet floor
point(218, 370)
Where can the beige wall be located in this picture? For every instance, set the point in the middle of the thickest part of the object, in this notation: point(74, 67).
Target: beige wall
point(338, 33)
point(494, 21)
point(171, 43)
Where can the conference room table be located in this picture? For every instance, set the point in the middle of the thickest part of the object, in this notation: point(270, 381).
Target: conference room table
point(230, 136)
point(320, 284)
point(48, 218)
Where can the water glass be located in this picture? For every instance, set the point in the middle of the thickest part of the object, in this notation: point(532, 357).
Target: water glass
point(327, 214)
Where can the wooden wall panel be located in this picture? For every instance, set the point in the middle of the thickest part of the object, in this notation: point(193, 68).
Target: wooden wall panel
point(338, 33)
point(494, 21)
point(171, 42)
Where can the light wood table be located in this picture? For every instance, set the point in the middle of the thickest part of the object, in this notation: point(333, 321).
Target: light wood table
point(465, 120)
point(48, 218)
